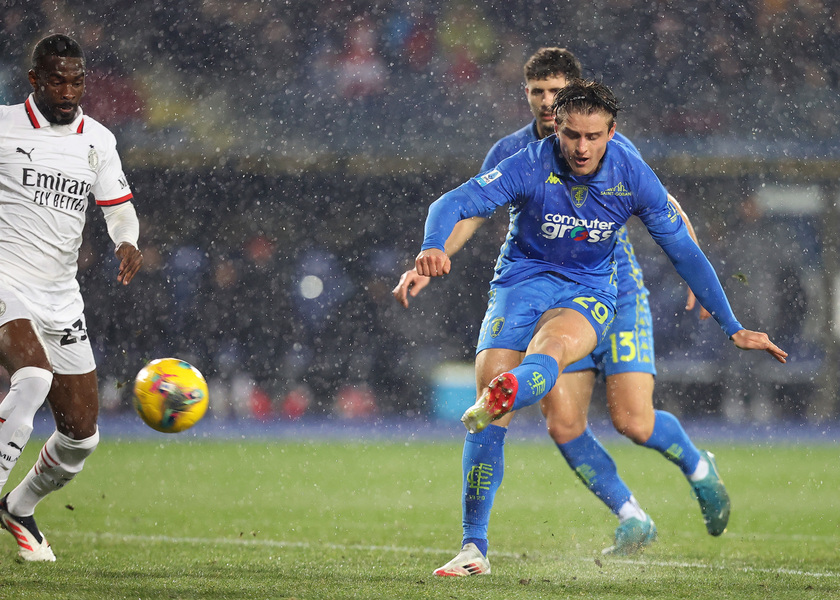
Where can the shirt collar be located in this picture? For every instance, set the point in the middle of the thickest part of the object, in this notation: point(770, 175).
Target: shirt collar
point(39, 121)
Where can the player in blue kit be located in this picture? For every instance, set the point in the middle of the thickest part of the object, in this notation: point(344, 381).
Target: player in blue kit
point(566, 208)
point(625, 357)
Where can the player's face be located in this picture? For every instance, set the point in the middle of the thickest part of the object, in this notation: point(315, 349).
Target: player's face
point(540, 93)
point(58, 83)
point(583, 140)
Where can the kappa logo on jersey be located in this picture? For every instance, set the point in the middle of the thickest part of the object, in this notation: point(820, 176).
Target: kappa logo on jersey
point(489, 177)
point(28, 154)
point(553, 179)
point(617, 190)
point(579, 195)
point(579, 230)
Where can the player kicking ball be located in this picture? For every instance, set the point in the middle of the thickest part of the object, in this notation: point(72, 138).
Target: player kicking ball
point(553, 294)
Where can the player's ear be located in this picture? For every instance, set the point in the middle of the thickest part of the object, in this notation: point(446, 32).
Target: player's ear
point(612, 132)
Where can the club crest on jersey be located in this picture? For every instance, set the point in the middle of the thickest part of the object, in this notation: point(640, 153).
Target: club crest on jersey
point(93, 158)
point(488, 177)
point(579, 195)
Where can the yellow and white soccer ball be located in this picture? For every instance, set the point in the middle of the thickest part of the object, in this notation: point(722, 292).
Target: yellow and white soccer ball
point(170, 395)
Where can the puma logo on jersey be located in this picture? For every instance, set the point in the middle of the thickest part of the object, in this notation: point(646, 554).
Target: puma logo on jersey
point(28, 154)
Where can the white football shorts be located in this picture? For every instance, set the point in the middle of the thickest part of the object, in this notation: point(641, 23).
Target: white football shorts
point(67, 343)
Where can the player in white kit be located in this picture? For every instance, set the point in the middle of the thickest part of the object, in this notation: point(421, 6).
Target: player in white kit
point(52, 158)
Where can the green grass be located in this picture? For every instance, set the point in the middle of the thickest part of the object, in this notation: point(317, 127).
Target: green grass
point(173, 518)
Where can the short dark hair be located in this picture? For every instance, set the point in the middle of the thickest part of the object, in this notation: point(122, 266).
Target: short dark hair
point(585, 96)
point(550, 62)
point(56, 44)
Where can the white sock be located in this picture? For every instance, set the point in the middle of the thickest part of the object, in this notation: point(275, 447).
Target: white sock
point(29, 389)
point(631, 509)
point(701, 471)
point(60, 460)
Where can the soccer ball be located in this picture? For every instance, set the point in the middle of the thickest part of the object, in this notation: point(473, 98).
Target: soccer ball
point(170, 395)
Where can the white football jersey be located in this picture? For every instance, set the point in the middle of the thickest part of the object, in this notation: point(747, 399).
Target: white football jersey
point(47, 172)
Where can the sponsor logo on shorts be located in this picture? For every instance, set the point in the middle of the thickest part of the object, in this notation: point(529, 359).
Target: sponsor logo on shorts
point(2, 308)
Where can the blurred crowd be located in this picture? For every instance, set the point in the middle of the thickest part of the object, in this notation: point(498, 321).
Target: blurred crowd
point(277, 285)
point(299, 78)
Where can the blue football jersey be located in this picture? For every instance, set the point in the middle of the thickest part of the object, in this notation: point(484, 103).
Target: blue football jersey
point(629, 272)
point(561, 222)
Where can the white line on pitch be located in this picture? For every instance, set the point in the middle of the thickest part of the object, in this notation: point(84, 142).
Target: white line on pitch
point(367, 548)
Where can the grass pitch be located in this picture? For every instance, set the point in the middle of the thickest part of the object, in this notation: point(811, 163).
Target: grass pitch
point(175, 518)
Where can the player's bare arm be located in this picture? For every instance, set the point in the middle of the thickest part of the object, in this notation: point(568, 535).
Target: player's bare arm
point(756, 340)
point(131, 259)
point(432, 263)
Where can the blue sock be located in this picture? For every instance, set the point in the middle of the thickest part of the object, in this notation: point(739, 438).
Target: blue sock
point(596, 469)
point(536, 375)
point(671, 440)
point(484, 467)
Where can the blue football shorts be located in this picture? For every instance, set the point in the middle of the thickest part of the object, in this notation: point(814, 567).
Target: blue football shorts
point(628, 345)
point(513, 311)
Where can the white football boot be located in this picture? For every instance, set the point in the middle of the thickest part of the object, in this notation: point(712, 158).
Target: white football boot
point(32, 546)
point(470, 561)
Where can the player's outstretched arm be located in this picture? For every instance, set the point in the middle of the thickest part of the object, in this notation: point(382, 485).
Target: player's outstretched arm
point(432, 263)
point(691, 301)
point(131, 259)
point(755, 340)
point(410, 284)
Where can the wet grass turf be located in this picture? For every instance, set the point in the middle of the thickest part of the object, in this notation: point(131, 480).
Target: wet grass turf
point(175, 518)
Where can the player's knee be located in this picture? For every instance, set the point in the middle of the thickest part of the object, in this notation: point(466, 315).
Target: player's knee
point(637, 428)
point(564, 429)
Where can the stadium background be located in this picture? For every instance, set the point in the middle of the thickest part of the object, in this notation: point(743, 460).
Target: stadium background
point(283, 156)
